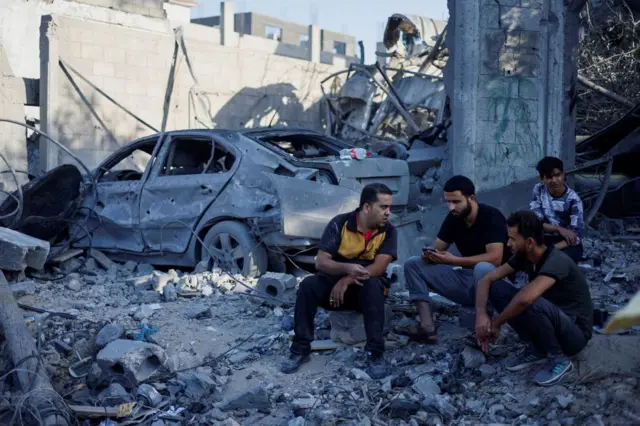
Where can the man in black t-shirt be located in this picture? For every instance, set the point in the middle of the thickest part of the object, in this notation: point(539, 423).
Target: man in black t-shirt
point(553, 312)
point(479, 232)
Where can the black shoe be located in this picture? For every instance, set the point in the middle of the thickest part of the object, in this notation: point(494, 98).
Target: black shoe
point(377, 366)
point(293, 363)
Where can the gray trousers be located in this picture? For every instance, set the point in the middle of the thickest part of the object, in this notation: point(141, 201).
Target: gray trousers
point(457, 285)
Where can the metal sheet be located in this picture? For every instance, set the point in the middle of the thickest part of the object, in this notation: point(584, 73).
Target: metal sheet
point(307, 206)
point(391, 172)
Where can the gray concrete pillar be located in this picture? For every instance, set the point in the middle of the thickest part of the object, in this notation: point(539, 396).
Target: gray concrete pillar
point(228, 35)
point(49, 82)
point(315, 43)
point(510, 79)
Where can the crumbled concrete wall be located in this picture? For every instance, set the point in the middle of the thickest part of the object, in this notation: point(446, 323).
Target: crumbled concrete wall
point(246, 84)
point(509, 77)
point(12, 137)
point(153, 8)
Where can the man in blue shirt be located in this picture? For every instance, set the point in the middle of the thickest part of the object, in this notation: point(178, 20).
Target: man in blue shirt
point(559, 208)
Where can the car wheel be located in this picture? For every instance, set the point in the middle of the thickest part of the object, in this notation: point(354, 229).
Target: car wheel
point(235, 249)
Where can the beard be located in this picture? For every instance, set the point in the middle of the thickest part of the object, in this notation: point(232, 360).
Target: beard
point(466, 211)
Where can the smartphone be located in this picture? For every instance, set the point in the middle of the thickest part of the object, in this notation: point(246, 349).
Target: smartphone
point(429, 248)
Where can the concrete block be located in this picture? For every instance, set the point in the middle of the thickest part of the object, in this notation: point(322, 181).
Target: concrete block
point(515, 109)
point(527, 135)
point(93, 52)
point(20, 250)
point(490, 17)
point(520, 18)
point(138, 361)
point(276, 284)
point(530, 39)
point(105, 69)
point(527, 88)
point(504, 154)
point(495, 132)
point(492, 86)
point(348, 327)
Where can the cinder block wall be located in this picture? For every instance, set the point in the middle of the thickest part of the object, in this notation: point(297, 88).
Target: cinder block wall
point(152, 8)
point(242, 85)
point(12, 137)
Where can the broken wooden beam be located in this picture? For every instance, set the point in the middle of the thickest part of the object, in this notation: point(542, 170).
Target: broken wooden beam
point(31, 372)
point(17, 251)
point(89, 411)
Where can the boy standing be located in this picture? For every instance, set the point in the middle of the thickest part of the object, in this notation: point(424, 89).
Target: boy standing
point(559, 208)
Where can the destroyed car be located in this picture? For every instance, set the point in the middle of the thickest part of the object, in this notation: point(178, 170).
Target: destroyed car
point(254, 199)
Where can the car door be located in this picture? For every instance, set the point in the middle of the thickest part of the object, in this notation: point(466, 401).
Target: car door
point(119, 181)
point(192, 169)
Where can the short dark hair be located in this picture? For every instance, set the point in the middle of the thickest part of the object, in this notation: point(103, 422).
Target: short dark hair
point(462, 184)
point(369, 194)
point(528, 225)
point(547, 164)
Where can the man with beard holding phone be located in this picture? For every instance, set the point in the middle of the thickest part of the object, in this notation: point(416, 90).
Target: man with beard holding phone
point(479, 232)
point(553, 313)
point(354, 252)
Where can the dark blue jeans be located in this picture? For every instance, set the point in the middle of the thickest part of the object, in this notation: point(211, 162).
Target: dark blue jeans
point(547, 327)
point(315, 290)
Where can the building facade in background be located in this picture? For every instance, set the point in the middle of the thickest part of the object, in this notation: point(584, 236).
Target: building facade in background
point(287, 32)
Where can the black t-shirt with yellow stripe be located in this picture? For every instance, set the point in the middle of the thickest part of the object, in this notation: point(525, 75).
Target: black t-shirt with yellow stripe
point(346, 244)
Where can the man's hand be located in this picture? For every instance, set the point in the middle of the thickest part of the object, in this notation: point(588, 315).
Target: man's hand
point(483, 330)
point(568, 235)
point(495, 331)
point(357, 272)
point(441, 257)
point(336, 299)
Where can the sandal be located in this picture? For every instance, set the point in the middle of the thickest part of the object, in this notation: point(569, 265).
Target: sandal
point(418, 334)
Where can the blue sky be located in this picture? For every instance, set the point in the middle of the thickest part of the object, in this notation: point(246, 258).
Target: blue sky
point(364, 19)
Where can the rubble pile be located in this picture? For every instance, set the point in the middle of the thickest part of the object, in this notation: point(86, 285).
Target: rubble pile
point(171, 348)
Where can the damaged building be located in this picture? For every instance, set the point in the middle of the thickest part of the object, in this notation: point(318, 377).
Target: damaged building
point(168, 180)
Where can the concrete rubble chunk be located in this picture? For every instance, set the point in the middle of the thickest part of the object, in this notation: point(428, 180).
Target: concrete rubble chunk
point(169, 292)
point(115, 394)
point(305, 403)
point(74, 284)
point(472, 358)
point(20, 250)
point(298, 421)
point(348, 327)
point(108, 334)
point(138, 361)
point(256, 398)
point(130, 266)
point(101, 258)
point(277, 285)
point(358, 374)
point(198, 384)
point(143, 282)
point(199, 312)
point(161, 280)
point(144, 269)
point(24, 288)
point(487, 370)
point(145, 311)
point(426, 386)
